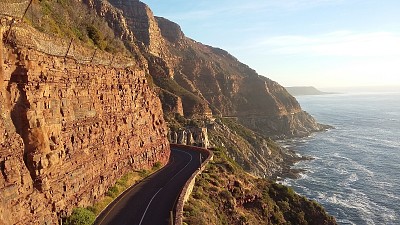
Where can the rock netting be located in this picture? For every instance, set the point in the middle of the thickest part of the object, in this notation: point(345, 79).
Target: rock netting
point(68, 131)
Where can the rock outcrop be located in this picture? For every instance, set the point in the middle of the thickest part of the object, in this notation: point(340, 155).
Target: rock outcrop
point(195, 136)
point(138, 19)
point(68, 131)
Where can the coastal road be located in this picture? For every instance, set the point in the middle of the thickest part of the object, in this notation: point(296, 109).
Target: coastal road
point(151, 201)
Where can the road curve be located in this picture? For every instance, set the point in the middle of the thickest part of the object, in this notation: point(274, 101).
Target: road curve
point(151, 201)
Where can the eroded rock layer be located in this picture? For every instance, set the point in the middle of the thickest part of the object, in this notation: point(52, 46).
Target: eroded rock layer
point(68, 131)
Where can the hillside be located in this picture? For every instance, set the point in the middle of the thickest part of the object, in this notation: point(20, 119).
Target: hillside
point(206, 80)
point(225, 194)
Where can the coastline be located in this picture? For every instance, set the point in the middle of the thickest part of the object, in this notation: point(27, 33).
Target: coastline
point(355, 171)
point(292, 157)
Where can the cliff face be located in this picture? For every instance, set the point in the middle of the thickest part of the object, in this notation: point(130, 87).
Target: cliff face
point(210, 80)
point(232, 89)
point(69, 130)
point(161, 59)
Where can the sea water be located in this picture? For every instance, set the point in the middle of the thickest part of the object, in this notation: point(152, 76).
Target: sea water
point(356, 171)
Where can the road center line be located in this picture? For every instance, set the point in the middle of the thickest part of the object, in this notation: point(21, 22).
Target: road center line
point(122, 196)
point(191, 158)
point(148, 205)
point(141, 220)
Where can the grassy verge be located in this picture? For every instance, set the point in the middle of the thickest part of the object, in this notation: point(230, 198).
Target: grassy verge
point(87, 216)
point(225, 194)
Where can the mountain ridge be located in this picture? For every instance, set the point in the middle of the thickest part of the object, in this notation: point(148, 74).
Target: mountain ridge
point(305, 90)
point(209, 81)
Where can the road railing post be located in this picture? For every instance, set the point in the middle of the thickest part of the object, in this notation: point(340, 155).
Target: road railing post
point(200, 162)
point(69, 47)
point(94, 54)
point(26, 10)
point(171, 217)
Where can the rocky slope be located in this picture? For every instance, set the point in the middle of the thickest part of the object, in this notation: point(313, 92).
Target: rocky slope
point(209, 80)
point(68, 130)
point(198, 81)
point(225, 194)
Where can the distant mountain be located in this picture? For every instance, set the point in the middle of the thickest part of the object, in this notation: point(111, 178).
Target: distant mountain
point(302, 90)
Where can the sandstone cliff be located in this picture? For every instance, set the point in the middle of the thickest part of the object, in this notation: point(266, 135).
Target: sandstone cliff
point(68, 130)
point(200, 81)
point(209, 80)
point(232, 89)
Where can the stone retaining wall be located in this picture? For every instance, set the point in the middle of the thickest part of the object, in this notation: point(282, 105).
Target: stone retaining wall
point(188, 188)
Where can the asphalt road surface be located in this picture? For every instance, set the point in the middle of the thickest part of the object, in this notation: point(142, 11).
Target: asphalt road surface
point(151, 201)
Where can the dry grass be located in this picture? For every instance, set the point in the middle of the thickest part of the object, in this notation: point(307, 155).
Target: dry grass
point(120, 186)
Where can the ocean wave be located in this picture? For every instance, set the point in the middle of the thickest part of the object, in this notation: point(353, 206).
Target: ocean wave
point(368, 211)
point(345, 222)
point(356, 171)
point(332, 199)
point(351, 163)
point(383, 184)
point(349, 180)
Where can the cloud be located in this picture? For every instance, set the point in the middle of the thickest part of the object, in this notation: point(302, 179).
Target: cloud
point(208, 9)
point(341, 43)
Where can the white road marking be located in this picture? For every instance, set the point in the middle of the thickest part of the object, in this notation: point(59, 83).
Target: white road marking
point(122, 197)
point(141, 220)
point(144, 214)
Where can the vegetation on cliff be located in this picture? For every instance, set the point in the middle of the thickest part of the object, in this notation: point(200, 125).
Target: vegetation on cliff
point(254, 152)
point(87, 216)
point(225, 194)
point(73, 19)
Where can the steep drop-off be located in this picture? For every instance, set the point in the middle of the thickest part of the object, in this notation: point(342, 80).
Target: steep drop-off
point(69, 130)
point(209, 80)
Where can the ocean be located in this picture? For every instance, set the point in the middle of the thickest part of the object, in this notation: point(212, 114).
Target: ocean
point(356, 171)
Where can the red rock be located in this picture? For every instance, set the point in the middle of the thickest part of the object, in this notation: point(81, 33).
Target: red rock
point(68, 131)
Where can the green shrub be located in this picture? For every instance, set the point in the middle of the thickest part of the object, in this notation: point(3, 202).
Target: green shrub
point(113, 192)
point(96, 36)
point(81, 216)
point(73, 19)
point(157, 165)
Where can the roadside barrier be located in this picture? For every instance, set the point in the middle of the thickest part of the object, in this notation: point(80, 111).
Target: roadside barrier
point(188, 187)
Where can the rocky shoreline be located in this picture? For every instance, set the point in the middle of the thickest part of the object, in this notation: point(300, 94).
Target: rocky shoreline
point(294, 157)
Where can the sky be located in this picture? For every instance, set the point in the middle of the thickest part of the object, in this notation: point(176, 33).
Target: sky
point(321, 43)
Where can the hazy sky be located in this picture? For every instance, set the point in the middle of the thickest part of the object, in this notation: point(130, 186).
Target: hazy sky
point(324, 43)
